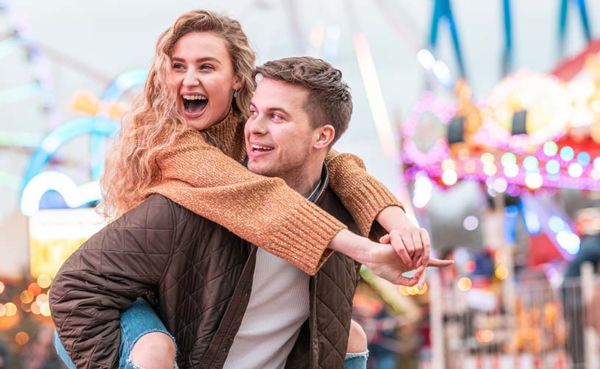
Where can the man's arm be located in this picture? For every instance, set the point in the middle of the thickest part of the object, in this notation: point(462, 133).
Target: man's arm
point(105, 275)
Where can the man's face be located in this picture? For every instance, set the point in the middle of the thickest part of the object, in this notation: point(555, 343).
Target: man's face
point(279, 135)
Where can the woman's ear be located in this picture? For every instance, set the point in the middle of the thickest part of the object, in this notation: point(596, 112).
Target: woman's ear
point(237, 83)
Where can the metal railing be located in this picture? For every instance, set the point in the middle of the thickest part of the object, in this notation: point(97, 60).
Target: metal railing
point(543, 327)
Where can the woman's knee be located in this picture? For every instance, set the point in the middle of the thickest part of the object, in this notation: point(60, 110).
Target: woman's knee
point(154, 350)
point(357, 339)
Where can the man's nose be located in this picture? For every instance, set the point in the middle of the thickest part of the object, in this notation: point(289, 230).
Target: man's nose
point(258, 125)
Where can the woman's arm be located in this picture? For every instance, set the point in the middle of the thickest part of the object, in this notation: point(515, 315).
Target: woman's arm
point(261, 210)
point(363, 196)
point(369, 201)
point(104, 276)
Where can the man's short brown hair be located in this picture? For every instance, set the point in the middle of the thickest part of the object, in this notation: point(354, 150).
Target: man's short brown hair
point(329, 100)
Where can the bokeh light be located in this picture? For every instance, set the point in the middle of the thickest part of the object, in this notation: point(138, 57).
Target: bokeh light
point(11, 309)
point(508, 159)
point(501, 272)
point(499, 185)
point(511, 171)
point(471, 223)
point(550, 148)
point(26, 297)
point(553, 167)
point(583, 158)
point(534, 180)
point(530, 163)
point(464, 284)
point(575, 170)
point(44, 281)
point(21, 338)
point(567, 153)
point(449, 177)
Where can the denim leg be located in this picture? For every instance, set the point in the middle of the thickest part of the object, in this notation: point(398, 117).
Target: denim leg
point(356, 360)
point(139, 319)
point(62, 353)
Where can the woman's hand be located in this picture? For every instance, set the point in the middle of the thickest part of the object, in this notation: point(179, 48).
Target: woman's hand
point(412, 243)
point(381, 258)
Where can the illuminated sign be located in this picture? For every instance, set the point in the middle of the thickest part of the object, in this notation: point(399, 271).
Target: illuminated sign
point(55, 234)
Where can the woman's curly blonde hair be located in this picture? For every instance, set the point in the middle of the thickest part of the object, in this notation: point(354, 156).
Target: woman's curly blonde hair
point(153, 123)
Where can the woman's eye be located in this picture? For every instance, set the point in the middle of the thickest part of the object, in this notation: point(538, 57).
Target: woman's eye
point(178, 66)
point(206, 67)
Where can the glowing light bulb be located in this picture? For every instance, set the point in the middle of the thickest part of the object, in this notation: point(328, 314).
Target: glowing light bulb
point(550, 148)
point(575, 170)
point(449, 177)
point(567, 153)
point(534, 180)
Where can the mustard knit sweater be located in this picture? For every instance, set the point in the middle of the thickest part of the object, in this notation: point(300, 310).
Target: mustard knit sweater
point(203, 172)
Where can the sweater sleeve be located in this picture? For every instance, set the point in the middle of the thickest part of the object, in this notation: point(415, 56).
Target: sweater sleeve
point(261, 210)
point(363, 196)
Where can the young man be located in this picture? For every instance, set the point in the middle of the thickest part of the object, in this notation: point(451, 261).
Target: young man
point(227, 303)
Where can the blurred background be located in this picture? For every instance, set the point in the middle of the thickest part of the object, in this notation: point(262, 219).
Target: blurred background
point(482, 116)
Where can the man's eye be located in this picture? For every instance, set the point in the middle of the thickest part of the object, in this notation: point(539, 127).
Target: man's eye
point(277, 117)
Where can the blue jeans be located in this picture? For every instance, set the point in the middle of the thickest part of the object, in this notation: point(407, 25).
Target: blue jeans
point(136, 321)
point(141, 319)
point(356, 360)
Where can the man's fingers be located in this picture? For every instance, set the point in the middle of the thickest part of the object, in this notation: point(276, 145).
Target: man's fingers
point(406, 281)
point(419, 272)
point(433, 262)
point(421, 282)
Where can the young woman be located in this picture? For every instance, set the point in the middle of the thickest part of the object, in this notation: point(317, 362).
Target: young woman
point(206, 84)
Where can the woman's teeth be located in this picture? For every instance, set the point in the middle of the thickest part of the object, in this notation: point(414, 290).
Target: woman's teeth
point(194, 103)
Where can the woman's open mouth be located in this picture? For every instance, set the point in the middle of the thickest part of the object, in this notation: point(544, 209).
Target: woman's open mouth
point(193, 105)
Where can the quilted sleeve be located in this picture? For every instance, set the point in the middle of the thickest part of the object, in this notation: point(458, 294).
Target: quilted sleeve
point(262, 210)
point(105, 275)
point(363, 196)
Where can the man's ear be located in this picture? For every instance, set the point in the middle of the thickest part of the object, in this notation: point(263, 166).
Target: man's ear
point(324, 136)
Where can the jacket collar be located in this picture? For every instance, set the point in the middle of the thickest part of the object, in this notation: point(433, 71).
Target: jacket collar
point(321, 186)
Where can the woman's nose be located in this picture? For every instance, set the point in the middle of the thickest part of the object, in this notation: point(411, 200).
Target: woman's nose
point(191, 79)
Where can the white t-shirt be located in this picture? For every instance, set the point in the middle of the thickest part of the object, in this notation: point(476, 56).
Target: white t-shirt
point(278, 306)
